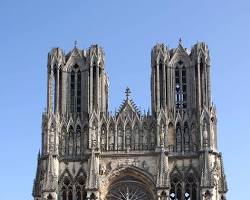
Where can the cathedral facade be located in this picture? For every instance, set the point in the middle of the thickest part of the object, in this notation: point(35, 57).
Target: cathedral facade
point(168, 153)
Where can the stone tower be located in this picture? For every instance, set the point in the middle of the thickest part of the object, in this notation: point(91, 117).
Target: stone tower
point(169, 153)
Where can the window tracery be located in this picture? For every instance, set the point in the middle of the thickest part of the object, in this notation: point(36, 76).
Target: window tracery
point(75, 89)
point(73, 190)
point(183, 189)
point(80, 188)
point(66, 189)
point(128, 189)
point(180, 86)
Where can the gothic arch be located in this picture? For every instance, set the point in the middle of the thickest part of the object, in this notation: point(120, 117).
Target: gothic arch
point(79, 185)
point(66, 173)
point(171, 137)
point(184, 186)
point(128, 179)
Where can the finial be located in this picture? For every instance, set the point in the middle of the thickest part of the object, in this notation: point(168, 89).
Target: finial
point(127, 92)
point(180, 41)
point(75, 43)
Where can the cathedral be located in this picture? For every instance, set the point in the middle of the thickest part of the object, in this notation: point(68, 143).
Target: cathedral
point(167, 153)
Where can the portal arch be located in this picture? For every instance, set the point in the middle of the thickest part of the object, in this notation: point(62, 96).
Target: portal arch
point(130, 184)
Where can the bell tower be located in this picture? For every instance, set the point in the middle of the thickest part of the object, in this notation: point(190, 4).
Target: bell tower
point(97, 80)
point(89, 153)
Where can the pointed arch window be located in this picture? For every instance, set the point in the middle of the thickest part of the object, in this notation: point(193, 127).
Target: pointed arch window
point(185, 189)
point(180, 86)
point(66, 189)
point(75, 89)
point(176, 188)
point(80, 188)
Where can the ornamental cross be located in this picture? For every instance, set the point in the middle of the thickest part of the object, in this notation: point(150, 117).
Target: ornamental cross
point(127, 92)
point(75, 43)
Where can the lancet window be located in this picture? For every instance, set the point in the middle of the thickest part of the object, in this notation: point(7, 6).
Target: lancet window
point(71, 191)
point(128, 188)
point(75, 89)
point(180, 86)
point(183, 189)
point(80, 188)
point(66, 189)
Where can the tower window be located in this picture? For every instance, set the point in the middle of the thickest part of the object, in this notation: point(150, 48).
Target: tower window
point(180, 87)
point(75, 89)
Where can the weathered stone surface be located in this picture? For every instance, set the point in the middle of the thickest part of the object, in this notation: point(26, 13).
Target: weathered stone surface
point(168, 153)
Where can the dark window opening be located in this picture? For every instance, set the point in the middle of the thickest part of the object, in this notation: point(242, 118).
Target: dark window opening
point(75, 90)
point(180, 87)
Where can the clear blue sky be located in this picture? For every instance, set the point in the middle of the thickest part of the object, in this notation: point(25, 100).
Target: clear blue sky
point(127, 30)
